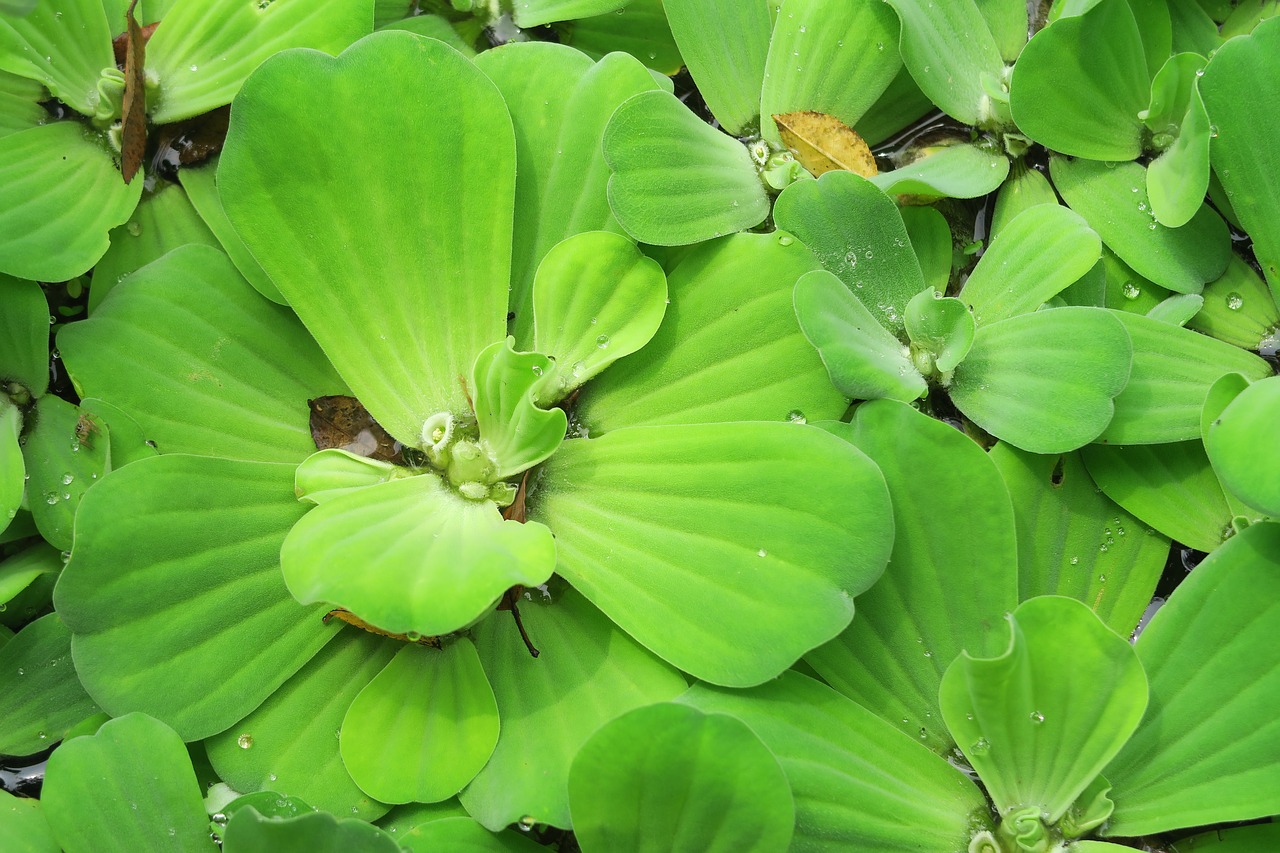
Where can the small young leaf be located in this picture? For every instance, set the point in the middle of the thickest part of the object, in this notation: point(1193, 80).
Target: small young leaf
point(24, 336)
point(66, 452)
point(823, 143)
point(1177, 309)
point(324, 475)
point(515, 432)
point(931, 241)
point(942, 325)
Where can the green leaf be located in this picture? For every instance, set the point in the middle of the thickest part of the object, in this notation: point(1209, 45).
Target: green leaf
point(97, 795)
point(1039, 722)
point(1239, 309)
point(13, 481)
point(901, 104)
point(324, 475)
point(931, 241)
point(167, 580)
point(1169, 486)
point(64, 46)
point(1080, 82)
point(1074, 541)
point(942, 593)
point(45, 175)
point(641, 534)
point(423, 727)
point(677, 180)
point(1124, 289)
point(941, 325)
point(856, 232)
point(729, 67)
point(202, 191)
point(20, 103)
point(534, 13)
point(707, 364)
point(829, 56)
point(1178, 179)
point(1258, 838)
point(1193, 29)
point(289, 744)
point(1008, 22)
point(515, 432)
point(1025, 372)
point(1244, 105)
point(1177, 309)
point(432, 560)
point(858, 783)
point(1206, 751)
point(124, 435)
point(164, 220)
point(864, 360)
point(23, 827)
point(1173, 369)
point(432, 26)
point(640, 29)
point(401, 316)
point(1171, 93)
point(202, 362)
point(206, 50)
point(596, 299)
point(19, 570)
point(66, 451)
point(1024, 189)
point(250, 832)
point(953, 171)
point(1235, 438)
point(1039, 253)
point(949, 48)
point(1112, 198)
point(588, 673)
point(464, 835)
point(24, 336)
point(669, 777)
point(560, 102)
point(40, 696)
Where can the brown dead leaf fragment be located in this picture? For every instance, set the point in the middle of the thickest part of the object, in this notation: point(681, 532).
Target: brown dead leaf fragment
point(822, 143)
point(343, 423)
point(133, 118)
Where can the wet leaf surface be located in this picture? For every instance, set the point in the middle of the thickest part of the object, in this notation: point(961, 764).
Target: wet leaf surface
point(823, 143)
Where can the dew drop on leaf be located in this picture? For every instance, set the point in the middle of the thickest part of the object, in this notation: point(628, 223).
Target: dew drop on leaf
point(1235, 301)
point(980, 747)
point(1037, 717)
point(245, 741)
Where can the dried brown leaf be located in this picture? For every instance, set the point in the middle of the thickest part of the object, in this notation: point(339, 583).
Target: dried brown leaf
point(133, 119)
point(822, 143)
point(342, 422)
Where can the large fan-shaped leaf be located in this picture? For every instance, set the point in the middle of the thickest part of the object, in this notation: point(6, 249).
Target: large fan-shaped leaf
point(669, 777)
point(202, 362)
point(856, 232)
point(725, 44)
point(1073, 540)
point(96, 789)
point(46, 173)
point(864, 360)
point(1028, 381)
point(949, 49)
point(431, 560)
point(1242, 96)
point(1038, 254)
point(167, 580)
point(40, 696)
point(204, 51)
point(675, 179)
point(951, 578)
point(858, 783)
point(707, 364)
point(560, 103)
point(1207, 750)
point(401, 274)
point(423, 727)
point(1040, 721)
point(289, 744)
point(1079, 84)
point(666, 528)
point(64, 45)
point(24, 335)
point(1173, 370)
point(1234, 440)
point(1112, 198)
point(587, 673)
point(830, 56)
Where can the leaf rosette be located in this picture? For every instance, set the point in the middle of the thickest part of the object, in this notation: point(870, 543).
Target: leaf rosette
point(603, 449)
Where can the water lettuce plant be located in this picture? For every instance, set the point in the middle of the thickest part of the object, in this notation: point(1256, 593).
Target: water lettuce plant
point(495, 444)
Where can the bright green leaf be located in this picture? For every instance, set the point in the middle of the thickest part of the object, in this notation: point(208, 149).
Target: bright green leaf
point(1024, 189)
point(1239, 309)
point(13, 480)
point(1238, 442)
point(40, 696)
point(20, 569)
point(20, 103)
point(639, 28)
point(250, 832)
point(65, 46)
point(953, 171)
point(324, 475)
point(23, 827)
point(66, 452)
point(941, 325)
point(464, 835)
point(931, 241)
point(533, 13)
point(729, 66)
point(24, 336)
point(514, 431)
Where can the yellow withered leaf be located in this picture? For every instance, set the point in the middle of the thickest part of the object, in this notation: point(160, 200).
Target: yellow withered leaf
point(822, 143)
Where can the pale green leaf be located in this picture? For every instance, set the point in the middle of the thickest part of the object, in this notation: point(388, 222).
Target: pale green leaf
point(250, 832)
point(953, 171)
point(1024, 189)
point(64, 45)
point(24, 336)
point(20, 103)
point(515, 432)
point(931, 241)
point(724, 44)
point(639, 28)
point(1239, 309)
point(1238, 442)
point(40, 696)
point(533, 13)
point(23, 827)
point(943, 326)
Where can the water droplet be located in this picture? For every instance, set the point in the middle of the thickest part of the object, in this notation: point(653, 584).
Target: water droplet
point(762, 553)
point(980, 747)
point(923, 734)
point(245, 741)
point(1235, 301)
point(134, 228)
point(51, 498)
point(602, 341)
point(1131, 290)
point(1102, 578)
point(803, 29)
point(1213, 131)
point(195, 68)
point(928, 653)
point(272, 777)
point(21, 671)
point(851, 259)
point(1104, 548)
point(1199, 72)
point(68, 478)
point(1037, 717)
point(537, 371)
point(412, 636)
point(1142, 205)
point(653, 54)
point(1075, 560)
point(796, 416)
point(42, 735)
point(868, 254)
point(785, 240)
